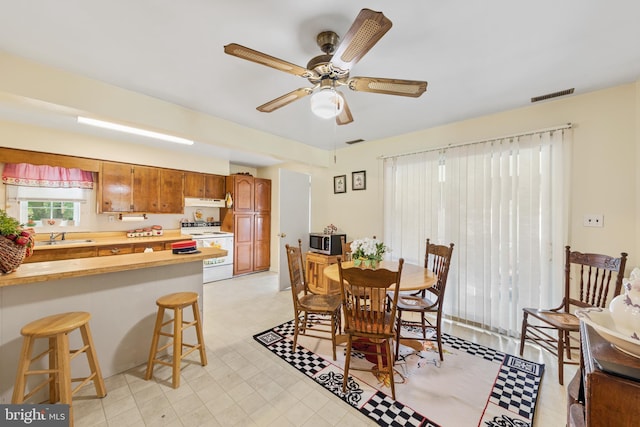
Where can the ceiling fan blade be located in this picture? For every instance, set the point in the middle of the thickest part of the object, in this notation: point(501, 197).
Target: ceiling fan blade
point(285, 99)
point(264, 59)
point(412, 88)
point(366, 30)
point(345, 116)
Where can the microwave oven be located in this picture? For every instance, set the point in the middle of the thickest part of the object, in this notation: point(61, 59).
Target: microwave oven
point(327, 244)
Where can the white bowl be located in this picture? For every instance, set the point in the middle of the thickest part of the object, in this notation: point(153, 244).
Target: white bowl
point(602, 322)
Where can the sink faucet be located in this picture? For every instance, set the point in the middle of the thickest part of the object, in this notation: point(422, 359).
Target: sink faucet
point(54, 236)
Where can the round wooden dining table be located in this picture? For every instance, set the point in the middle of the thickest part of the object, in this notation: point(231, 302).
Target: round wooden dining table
point(413, 278)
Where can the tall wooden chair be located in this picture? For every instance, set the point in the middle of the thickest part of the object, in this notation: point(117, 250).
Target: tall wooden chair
point(437, 258)
point(326, 319)
point(591, 280)
point(369, 315)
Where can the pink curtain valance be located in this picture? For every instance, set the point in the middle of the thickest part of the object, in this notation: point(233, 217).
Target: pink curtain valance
point(29, 175)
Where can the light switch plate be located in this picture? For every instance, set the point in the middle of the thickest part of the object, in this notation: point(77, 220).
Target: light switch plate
point(593, 220)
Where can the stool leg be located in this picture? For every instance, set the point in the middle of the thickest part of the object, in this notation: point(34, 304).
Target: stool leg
point(23, 367)
point(98, 381)
point(64, 372)
point(177, 346)
point(54, 378)
point(154, 343)
point(196, 315)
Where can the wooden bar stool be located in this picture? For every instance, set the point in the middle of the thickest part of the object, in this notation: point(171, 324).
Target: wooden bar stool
point(57, 329)
point(176, 302)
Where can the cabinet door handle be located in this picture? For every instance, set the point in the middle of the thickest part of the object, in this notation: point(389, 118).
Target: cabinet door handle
point(115, 250)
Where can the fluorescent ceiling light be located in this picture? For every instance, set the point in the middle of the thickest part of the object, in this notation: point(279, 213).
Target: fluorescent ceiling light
point(132, 130)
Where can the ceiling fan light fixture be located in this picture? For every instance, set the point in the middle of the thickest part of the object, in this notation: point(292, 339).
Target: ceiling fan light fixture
point(326, 103)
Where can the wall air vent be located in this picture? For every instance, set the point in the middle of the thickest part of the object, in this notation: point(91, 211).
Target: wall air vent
point(355, 141)
point(553, 95)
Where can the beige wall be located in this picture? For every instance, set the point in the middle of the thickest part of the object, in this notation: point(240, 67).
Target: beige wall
point(603, 176)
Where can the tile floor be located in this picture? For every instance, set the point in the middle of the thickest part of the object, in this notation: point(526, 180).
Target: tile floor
point(244, 385)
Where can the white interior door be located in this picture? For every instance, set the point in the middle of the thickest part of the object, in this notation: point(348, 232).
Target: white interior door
point(295, 201)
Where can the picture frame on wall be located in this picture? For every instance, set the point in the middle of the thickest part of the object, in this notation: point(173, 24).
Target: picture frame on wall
point(340, 184)
point(359, 180)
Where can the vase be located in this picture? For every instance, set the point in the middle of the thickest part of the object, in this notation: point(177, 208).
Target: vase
point(357, 262)
point(625, 310)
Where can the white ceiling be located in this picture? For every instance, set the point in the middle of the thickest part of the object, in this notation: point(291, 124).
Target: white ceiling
point(479, 57)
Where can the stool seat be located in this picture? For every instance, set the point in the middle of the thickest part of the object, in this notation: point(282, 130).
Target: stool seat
point(55, 324)
point(176, 302)
point(179, 299)
point(56, 329)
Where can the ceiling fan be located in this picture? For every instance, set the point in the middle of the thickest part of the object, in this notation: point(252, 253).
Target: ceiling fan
point(329, 71)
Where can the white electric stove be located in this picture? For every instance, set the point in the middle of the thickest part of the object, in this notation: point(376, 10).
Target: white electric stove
point(208, 234)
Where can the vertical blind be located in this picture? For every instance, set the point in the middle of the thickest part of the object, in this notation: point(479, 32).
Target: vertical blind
point(503, 203)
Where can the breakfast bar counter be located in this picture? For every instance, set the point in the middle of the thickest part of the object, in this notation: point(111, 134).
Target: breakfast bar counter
point(54, 270)
point(119, 292)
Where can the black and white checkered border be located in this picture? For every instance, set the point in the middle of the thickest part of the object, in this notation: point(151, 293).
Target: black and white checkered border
point(303, 360)
point(388, 412)
point(473, 348)
point(516, 389)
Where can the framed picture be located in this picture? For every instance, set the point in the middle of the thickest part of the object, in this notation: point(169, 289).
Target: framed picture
point(340, 184)
point(359, 180)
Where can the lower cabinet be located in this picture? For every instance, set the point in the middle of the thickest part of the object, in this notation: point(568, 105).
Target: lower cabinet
point(252, 243)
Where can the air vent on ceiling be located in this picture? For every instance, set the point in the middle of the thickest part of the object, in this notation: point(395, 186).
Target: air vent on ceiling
point(355, 141)
point(553, 95)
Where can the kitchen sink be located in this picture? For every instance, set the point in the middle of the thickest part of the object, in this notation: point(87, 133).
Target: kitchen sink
point(61, 242)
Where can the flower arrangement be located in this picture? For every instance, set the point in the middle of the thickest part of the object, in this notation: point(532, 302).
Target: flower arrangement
point(367, 251)
point(15, 243)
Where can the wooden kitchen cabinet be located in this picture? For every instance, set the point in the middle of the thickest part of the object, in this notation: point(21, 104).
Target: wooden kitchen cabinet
point(146, 189)
point(318, 283)
point(250, 220)
point(170, 196)
point(133, 188)
point(609, 393)
point(115, 187)
point(115, 249)
point(62, 253)
point(262, 242)
point(262, 195)
point(202, 185)
point(243, 243)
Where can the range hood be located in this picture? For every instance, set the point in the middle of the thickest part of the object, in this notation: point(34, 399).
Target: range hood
point(204, 203)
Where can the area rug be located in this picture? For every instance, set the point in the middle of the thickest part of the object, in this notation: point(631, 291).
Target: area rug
point(474, 386)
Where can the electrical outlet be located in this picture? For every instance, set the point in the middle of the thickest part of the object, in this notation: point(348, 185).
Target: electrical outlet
point(112, 218)
point(593, 220)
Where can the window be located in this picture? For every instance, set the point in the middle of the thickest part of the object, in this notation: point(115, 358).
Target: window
point(502, 203)
point(38, 213)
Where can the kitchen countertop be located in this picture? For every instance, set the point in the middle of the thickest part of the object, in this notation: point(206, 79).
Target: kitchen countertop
point(106, 239)
point(54, 270)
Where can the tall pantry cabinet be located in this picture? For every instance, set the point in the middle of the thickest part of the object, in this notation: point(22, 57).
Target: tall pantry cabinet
point(250, 220)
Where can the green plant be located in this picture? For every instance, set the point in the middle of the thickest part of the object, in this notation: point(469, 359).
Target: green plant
point(9, 225)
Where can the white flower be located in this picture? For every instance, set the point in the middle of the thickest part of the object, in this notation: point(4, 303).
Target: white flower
point(368, 248)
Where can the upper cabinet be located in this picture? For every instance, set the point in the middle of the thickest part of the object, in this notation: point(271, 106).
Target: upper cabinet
point(202, 185)
point(134, 188)
point(242, 191)
point(262, 195)
point(115, 188)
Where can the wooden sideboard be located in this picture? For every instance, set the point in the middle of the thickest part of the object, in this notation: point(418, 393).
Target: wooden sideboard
point(314, 265)
point(606, 389)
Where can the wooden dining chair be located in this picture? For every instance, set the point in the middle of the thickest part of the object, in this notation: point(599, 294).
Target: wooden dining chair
point(369, 315)
point(590, 280)
point(437, 258)
point(315, 315)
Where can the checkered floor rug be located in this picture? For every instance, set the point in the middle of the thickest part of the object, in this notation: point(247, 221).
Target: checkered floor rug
point(474, 386)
